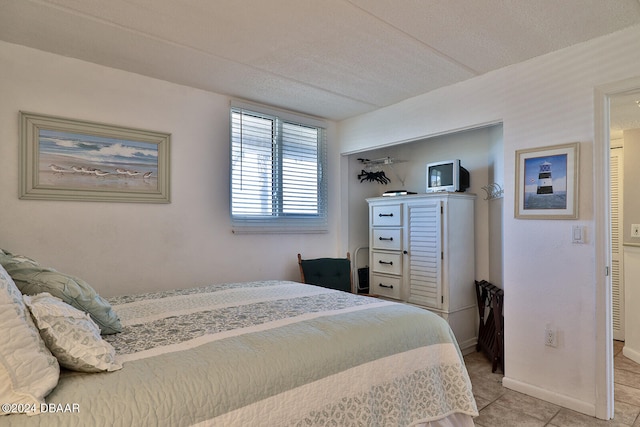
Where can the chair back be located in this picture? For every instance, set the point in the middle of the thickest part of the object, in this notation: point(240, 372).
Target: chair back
point(333, 273)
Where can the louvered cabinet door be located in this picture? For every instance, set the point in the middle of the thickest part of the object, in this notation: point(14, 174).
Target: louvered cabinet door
point(617, 267)
point(424, 247)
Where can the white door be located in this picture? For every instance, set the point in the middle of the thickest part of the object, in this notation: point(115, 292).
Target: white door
point(424, 242)
point(617, 276)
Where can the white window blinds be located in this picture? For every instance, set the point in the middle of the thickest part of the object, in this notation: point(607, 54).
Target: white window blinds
point(277, 165)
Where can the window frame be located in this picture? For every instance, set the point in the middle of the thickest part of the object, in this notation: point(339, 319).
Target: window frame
point(277, 220)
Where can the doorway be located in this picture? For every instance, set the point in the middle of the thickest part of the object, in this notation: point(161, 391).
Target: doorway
point(624, 120)
point(607, 118)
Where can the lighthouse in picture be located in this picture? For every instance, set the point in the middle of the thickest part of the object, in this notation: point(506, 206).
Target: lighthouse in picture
point(545, 184)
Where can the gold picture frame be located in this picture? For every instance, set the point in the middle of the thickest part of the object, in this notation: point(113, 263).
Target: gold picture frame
point(547, 182)
point(67, 159)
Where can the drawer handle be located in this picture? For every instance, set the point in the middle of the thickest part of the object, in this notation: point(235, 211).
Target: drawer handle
point(381, 215)
point(386, 286)
point(386, 238)
point(385, 262)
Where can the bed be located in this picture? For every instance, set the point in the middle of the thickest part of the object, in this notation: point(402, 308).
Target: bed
point(272, 353)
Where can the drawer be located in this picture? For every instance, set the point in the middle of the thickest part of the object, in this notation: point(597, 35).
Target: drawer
point(387, 238)
point(386, 215)
point(389, 263)
point(385, 286)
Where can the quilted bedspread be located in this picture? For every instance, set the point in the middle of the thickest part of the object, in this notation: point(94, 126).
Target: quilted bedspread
point(270, 353)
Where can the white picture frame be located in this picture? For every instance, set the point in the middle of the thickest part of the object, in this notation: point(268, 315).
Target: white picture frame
point(547, 182)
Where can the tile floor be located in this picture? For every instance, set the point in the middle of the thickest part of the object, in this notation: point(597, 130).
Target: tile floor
point(499, 406)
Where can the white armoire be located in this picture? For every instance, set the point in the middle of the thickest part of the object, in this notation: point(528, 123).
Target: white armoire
point(422, 252)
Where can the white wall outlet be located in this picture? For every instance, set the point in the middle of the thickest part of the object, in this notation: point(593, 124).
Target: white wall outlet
point(550, 337)
point(635, 230)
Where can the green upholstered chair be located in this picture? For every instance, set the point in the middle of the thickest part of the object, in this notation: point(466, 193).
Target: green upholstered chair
point(333, 273)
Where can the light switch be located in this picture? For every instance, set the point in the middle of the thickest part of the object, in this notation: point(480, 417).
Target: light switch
point(577, 234)
point(635, 230)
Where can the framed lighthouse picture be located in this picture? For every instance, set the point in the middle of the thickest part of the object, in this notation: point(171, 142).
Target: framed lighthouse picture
point(547, 182)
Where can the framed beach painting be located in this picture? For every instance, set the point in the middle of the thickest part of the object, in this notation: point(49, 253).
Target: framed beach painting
point(66, 159)
point(547, 182)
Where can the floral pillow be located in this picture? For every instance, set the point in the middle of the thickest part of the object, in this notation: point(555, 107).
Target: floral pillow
point(28, 371)
point(71, 335)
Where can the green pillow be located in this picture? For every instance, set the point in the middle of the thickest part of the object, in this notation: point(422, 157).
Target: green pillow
point(32, 279)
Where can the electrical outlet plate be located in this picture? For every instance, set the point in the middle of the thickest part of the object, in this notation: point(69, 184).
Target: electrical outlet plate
point(550, 338)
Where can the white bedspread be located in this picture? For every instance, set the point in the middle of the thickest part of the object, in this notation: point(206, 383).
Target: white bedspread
point(270, 353)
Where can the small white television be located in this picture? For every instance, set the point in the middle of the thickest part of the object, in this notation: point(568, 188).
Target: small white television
point(447, 175)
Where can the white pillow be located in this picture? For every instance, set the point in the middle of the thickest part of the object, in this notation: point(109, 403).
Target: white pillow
point(28, 371)
point(71, 335)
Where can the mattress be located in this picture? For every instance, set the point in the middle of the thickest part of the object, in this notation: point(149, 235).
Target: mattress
point(272, 353)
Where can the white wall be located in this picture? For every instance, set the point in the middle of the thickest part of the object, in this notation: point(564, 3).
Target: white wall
point(631, 206)
point(631, 259)
point(122, 247)
point(631, 245)
point(547, 279)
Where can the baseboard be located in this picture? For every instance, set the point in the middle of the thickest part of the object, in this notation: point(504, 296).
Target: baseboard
point(631, 354)
point(549, 396)
point(468, 346)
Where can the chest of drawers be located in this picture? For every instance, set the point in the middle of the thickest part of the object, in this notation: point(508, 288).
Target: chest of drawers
point(422, 252)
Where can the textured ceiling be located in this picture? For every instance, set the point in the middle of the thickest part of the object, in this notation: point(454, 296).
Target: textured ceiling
point(329, 58)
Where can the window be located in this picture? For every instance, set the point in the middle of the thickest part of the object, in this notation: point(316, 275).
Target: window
point(277, 165)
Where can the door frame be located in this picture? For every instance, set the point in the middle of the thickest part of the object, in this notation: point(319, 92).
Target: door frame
point(604, 312)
